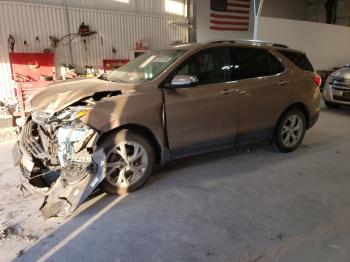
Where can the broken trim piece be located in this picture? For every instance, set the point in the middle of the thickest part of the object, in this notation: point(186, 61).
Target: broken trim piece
point(62, 198)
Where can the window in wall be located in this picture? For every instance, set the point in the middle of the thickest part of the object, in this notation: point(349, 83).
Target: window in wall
point(176, 7)
point(122, 1)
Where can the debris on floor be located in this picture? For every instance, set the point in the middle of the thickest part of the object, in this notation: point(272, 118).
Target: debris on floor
point(20, 253)
point(8, 232)
point(16, 231)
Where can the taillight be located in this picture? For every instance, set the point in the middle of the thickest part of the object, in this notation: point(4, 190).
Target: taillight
point(317, 80)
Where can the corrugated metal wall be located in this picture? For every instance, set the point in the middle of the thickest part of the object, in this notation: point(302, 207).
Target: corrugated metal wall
point(153, 7)
point(115, 29)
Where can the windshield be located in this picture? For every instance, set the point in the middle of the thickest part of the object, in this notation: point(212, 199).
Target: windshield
point(145, 67)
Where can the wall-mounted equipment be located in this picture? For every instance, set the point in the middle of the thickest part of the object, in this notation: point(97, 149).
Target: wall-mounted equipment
point(54, 41)
point(83, 31)
point(11, 41)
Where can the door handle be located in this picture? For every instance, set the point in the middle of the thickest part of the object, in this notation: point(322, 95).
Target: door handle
point(283, 82)
point(226, 91)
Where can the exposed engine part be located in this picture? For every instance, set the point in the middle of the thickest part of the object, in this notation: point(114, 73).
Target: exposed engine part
point(71, 141)
point(58, 155)
point(58, 160)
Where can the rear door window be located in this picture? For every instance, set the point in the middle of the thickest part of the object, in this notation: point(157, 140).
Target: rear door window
point(299, 59)
point(250, 63)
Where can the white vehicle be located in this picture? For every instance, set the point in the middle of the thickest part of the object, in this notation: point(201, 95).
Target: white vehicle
point(336, 90)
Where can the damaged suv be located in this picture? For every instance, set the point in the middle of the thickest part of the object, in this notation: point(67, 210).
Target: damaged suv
point(166, 104)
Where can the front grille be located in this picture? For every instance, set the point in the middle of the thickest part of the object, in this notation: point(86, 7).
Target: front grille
point(31, 142)
point(339, 83)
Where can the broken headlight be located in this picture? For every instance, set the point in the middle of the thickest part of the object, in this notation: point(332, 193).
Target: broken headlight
point(74, 113)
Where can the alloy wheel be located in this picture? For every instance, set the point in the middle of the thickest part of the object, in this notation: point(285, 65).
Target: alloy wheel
point(292, 130)
point(126, 164)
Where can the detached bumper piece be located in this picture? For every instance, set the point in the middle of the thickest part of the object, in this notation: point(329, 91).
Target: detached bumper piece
point(73, 187)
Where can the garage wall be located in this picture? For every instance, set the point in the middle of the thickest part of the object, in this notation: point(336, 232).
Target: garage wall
point(115, 29)
point(289, 9)
point(157, 7)
point(327, 46)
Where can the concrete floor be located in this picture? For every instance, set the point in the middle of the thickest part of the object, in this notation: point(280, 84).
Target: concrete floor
point(246, 204)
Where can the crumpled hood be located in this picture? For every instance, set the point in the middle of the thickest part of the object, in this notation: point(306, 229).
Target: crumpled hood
point(343, 73)
point(58, 96)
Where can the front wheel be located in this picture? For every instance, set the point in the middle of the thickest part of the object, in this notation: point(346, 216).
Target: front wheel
point(129, 162)
point(290, 131)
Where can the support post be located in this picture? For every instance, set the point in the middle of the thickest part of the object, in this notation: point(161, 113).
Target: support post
point(257, 11)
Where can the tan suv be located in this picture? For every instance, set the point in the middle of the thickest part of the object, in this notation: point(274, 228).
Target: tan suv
point(166, 104)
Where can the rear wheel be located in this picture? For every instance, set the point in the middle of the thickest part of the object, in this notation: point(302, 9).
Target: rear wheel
point(290, 131)
point(331, 105)
point(129, 162)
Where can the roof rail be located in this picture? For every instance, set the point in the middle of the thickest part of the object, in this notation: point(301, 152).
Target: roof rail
point(253, 42)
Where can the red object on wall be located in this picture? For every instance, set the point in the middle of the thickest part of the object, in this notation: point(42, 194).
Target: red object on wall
point(32, 66)
point(111, 64)
point(32, 72)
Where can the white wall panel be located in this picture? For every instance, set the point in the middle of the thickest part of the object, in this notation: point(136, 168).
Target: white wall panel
point(316, 39)
point(117, 29)
point(157, 7)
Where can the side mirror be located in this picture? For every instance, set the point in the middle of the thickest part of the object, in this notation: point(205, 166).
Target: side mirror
point(183, 81)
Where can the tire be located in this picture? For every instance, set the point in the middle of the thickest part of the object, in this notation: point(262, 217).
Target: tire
point(116, 165)
point(281, 141)
point(331, 105)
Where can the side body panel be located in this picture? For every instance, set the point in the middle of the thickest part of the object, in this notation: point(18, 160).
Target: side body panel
point(261, 102)
point(200, 114)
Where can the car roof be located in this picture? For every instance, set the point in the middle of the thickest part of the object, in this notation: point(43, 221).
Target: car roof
point(251, 43)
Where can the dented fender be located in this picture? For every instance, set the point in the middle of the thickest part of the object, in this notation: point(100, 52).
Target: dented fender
point(128, 109)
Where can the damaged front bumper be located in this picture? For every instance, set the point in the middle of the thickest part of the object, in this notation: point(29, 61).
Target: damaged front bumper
point(65, 168)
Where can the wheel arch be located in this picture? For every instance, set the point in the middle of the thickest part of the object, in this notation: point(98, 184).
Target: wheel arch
point(141, 130)
point(298, 105)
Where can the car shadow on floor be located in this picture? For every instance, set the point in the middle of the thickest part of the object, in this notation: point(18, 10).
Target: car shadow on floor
point(341, 111)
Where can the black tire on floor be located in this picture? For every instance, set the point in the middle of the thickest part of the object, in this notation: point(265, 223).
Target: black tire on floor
point(278, 143)
point(112, 140)
point(331, 105)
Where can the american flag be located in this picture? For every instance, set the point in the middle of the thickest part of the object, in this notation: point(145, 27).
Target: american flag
point(229, 15)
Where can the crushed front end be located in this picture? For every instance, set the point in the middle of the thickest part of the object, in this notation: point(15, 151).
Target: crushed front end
point(58, 157)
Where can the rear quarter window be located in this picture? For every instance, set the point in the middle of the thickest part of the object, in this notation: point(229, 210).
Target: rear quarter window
point(299, 59)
